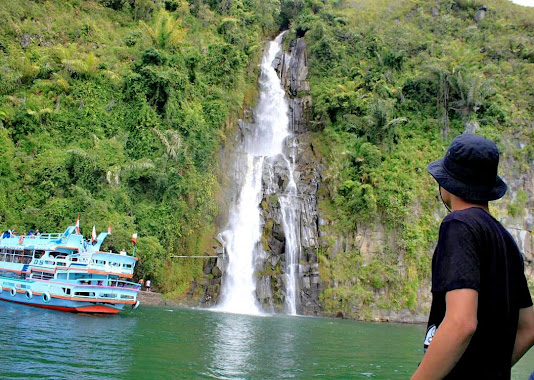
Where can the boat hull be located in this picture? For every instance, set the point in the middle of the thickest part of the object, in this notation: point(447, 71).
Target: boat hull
point(92, 309)
point(56, 302)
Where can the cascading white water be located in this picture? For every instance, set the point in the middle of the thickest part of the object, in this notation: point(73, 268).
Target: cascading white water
point(242, 238)
point(241, 242)
point(289, 206)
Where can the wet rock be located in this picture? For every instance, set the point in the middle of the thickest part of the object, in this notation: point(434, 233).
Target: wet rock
point(276, 248)
point(209, 266)
point(216, 271)
point(263, 288)
point(293, 70)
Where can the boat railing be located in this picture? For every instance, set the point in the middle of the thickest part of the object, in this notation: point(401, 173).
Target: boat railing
point(110, 268)
point(125, 284)
point(46, 236)
point(120, 284)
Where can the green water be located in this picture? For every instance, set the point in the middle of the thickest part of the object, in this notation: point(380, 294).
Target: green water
point(159, 343)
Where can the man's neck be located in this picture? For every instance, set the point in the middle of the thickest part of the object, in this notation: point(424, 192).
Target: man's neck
point(458, 203)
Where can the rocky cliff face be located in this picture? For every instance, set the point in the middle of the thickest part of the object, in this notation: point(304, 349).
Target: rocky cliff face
point(371, 240)
point(292, 67)
point(515, 210)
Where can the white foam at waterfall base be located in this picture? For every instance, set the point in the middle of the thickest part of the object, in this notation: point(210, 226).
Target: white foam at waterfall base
point(243, 235)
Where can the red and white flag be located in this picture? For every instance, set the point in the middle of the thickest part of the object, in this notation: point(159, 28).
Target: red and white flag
point(109, 229)
point(78, 224)
point(93, 234)
point(134, 238)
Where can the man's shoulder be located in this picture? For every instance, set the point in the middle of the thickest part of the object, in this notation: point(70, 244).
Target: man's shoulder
point(478, 222)
point(471, 216)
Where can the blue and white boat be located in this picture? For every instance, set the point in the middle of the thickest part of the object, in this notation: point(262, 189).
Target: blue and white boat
point(65, 272)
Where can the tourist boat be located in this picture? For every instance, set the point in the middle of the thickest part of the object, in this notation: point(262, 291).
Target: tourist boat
point(66, 272)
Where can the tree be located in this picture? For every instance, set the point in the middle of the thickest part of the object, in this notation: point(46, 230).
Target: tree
point(167, 33)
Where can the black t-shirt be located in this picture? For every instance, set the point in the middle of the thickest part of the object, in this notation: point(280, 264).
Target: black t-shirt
point(475, 251)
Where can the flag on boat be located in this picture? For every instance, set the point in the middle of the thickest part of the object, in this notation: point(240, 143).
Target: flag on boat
point(109, 229)
point(93, 234)
point(134, 238)
point(78, 224)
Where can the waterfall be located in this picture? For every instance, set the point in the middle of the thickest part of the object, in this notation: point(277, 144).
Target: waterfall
point(263, 149)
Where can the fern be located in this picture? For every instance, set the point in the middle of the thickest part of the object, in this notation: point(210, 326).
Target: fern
point(172, 144)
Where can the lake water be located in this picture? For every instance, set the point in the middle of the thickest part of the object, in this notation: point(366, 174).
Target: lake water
point(160, 343)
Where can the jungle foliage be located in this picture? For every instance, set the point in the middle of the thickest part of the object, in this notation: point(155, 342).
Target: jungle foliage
point(114, 110)
point(392, 83)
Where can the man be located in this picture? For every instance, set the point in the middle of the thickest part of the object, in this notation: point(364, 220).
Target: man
point(481, 320)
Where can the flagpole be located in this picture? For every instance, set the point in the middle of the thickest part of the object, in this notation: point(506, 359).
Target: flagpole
point(134, 241)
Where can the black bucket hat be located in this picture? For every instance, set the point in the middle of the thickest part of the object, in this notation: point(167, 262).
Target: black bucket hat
point(469, 169)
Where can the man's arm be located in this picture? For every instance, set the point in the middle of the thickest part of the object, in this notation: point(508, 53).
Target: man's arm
point(452, 336)
point(524, 338)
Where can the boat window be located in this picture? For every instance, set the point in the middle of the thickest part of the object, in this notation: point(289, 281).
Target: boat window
point(61, 276)
point(108, 295)
point(129, 266)
point(66, 291)
point(42, 275)
point(2, 257)
point(84, 294)
point(38, 254)
point(9, 258)
point(75, 276)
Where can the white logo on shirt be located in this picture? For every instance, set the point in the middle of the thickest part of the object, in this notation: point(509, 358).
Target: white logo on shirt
point(429, 335)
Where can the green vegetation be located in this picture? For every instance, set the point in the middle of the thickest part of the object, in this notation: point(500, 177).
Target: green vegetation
point(392, 83)
point(115, 109)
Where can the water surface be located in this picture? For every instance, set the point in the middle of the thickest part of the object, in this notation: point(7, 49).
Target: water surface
point(160, 343)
